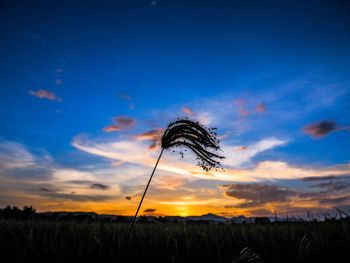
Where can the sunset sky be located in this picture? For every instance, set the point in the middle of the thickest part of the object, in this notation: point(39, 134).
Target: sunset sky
point(87, 87)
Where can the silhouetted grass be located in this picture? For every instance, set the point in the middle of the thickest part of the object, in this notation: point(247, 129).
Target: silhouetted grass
point(40, 241)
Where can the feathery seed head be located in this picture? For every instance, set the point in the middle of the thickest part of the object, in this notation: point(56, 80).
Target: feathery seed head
point(201, 140)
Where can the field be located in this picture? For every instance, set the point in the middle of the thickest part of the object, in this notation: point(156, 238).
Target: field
point(42, 241)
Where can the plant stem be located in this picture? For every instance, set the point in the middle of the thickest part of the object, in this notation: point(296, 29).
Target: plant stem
point(143, 196)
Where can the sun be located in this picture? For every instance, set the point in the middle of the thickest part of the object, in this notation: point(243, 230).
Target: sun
point(182, 210)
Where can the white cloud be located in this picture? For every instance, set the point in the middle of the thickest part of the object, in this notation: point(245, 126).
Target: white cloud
point(61, 175)
point(132, 151)
point(235, 158)
point(25, 173)
point(136, 152)
point(14, 155)
point(272, 170)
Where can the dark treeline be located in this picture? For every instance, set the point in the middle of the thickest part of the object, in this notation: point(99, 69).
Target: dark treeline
point(28, 212)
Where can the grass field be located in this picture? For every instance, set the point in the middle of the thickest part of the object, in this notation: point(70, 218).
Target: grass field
point(41, 241)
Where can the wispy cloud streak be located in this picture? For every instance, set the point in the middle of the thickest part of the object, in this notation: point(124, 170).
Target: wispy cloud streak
point(45, 94)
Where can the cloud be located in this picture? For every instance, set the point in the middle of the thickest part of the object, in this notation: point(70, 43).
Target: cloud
point(117, 163)
point(258, 194)
point(131, 151)
point(18, 163)
point(243, 154)
point(188, 111)
point(334, 201)
point(275, 196)
point(329, 177)
point(99, 186)
point(45, 94)
point(72, 176)
point(79, 182)
point(149, 210)
point(15, 155)
point(45, 189)
point(135, 152)
point(330, 186)
point(62, 182)
point(261, 107)
point(34, 172)
point(244, 110)
point(320, 129)
point(332, 183)
point(28, 177)
point(123, 150)
point(123, 123)
point(154, 136)
point(241, 148)
point(271, 198)
point(79, 197)
point(275, 170)
point(113, 128)
point(241, 107)
point(151, 134)
point(169, 182)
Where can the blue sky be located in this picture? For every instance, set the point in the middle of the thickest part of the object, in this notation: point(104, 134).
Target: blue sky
point(272, 76)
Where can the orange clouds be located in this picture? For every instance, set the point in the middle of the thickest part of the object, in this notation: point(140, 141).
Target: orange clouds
point(241, 148)
point(149, 210)
point(188, 111)
point(243, 111)
point(117, 163)
point(240, 104)
point(320, 129)
point(113, 128)
point(123, 123)
point(153, 136)
point(261, 107)
point(45, 94)
point(169, 182)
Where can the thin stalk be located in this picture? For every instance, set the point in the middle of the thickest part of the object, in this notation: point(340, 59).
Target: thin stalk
point(143, 196)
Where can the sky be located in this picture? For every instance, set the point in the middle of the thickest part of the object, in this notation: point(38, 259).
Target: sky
point(87, 88)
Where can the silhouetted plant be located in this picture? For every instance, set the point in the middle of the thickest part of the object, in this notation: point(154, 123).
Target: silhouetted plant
point(188, 134)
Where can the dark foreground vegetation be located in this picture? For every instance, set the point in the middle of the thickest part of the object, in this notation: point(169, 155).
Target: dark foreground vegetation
point(37, 240)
